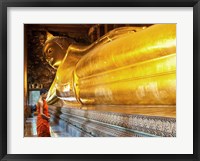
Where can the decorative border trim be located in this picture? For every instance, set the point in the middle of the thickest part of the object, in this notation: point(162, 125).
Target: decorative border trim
point(154, 125)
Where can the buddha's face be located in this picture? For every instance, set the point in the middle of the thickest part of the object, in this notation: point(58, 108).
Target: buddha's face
point(54, 54)
point(55, 50)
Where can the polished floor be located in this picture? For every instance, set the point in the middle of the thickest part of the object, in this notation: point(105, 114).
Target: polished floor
point(30, 129)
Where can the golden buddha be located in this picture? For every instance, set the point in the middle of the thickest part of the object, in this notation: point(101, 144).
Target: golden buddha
point(124, 67)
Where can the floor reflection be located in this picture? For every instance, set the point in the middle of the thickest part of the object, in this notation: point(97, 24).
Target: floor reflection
point(31, 128)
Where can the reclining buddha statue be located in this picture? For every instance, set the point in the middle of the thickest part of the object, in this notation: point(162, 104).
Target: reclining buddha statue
point(126, 66)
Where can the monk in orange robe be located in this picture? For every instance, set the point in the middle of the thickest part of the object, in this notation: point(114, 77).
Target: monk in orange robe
point(43, 115)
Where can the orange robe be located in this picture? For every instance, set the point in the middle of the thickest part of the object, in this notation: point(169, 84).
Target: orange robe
point(43, 124)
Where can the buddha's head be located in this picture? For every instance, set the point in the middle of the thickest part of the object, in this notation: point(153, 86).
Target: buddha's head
point(55, 49)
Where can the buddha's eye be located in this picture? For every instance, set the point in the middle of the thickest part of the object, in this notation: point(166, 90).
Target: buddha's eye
point(50, 50)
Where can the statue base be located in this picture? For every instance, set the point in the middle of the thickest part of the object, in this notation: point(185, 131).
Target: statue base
point(116, 121)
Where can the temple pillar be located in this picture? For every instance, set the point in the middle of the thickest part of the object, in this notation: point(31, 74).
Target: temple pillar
point(105, 29)
point(25, 74)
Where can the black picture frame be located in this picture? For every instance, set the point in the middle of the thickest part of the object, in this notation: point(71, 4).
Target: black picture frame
point(4, 4)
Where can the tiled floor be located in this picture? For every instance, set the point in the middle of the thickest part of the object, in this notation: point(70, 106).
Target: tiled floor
point(31, 131)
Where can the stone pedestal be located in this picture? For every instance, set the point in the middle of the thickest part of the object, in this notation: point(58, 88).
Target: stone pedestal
point(92, 123)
